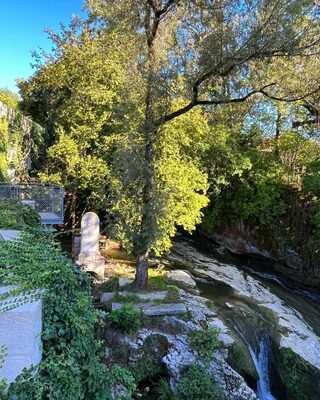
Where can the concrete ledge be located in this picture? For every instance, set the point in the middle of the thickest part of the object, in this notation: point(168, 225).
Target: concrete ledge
point(20, 333)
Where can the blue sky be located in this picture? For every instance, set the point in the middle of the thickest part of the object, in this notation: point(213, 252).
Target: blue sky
point(22, 25)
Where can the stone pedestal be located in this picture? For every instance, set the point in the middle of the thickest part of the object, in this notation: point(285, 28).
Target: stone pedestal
point(90, 258)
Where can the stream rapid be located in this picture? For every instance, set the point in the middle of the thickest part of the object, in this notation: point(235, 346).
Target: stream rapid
point(237, 288)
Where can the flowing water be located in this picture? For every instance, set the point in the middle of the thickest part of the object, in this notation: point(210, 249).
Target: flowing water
point(247, 320)
point(261, 361)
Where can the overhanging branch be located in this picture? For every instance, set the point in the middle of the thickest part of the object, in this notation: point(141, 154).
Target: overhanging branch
point(196, 102)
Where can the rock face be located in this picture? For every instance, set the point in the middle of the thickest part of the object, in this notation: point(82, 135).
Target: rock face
point(240, 240)
point(170, 340)
point(293, 332)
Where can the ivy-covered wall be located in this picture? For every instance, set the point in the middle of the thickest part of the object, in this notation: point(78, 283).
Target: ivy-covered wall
point(17, 138)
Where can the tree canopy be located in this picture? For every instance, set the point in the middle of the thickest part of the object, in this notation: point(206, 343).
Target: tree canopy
point(159, 108)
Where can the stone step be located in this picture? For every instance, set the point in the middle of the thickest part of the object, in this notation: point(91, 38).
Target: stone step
point(108, 296)
point(156, 310)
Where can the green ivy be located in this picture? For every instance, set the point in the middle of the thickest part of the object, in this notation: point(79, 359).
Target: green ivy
point(72, 367)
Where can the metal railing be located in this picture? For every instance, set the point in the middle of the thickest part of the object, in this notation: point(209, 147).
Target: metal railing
point(44, 198)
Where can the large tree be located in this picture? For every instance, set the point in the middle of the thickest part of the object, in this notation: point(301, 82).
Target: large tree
point(203, 53)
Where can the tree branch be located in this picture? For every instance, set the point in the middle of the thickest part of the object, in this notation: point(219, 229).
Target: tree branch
point(195, 102)
point(289, 100)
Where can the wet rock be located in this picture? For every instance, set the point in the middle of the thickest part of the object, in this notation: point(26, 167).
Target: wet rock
point(292, 330)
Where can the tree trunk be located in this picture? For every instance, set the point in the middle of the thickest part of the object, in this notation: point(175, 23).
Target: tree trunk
point(141, 279)
point(147, 227)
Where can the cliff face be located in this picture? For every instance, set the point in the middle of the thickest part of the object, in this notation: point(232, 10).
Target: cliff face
point(291, 261)
point(18, 135)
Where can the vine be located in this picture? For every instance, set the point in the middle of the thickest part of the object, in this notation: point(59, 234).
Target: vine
point(72, 367)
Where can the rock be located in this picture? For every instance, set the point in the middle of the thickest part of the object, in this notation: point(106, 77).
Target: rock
point(106, 297)
point(125, 282)
point(156, 310)
point(153, 296)
point(148, 296)
point(182, 279)
point(172, 334)
point(294, 332)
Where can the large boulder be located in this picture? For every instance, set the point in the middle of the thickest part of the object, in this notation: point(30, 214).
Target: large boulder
point(182, 279)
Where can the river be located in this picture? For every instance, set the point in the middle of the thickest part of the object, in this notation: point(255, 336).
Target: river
point(244, 290)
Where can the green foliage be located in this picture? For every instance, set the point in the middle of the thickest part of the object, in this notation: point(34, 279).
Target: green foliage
point(146, 367)
point(158, 279)
point(119, 375)
point(16, 215)
point(9, 98)
point(205, 342)
point(198, 384)
point(127, 319)
point(241, 360)
point(163, 390)
point(72, 367)
point(293, 371)
point(179, 194)
point(172, 295)
point(129, 298)
point(112, 284)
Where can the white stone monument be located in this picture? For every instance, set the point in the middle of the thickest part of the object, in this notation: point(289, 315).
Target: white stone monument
point(90, 258)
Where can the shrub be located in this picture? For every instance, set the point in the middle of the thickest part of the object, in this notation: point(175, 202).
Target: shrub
point(198, 384)
point(205, 342)
point(127, 319)
point(145, 368)
point(15, 215)
point(119, 375)
point(72, 367)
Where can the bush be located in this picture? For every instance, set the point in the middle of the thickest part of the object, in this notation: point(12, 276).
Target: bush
point(119, 375)
point(72, 367)
point(15, 215)
point(198, 384)
point(205, 342)
point(127, 319)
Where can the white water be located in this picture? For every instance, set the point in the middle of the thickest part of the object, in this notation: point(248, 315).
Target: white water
point(262, 364)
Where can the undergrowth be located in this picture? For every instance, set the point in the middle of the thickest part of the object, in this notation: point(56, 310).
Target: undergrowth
point(72, 366)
